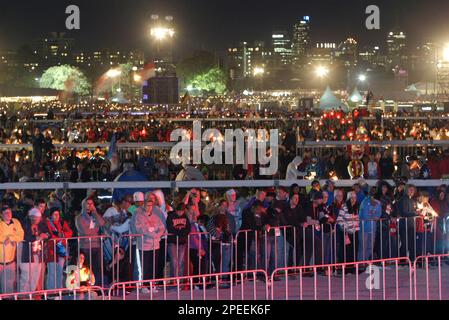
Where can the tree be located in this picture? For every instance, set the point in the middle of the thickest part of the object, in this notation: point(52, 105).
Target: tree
point(65, 78)
point(212, 81)
point(189, 68)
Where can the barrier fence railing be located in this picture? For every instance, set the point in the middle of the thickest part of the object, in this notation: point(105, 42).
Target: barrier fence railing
point(196, 287)
point(169, 145)
point(87, 293)
point(430, 285)
point(32, 266)
point(373, 286)
point(207, 184)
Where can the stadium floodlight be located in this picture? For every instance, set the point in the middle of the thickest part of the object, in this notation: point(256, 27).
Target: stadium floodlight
point(321, 71)
point(446, 53)
point(258, 71)
point(161, 33)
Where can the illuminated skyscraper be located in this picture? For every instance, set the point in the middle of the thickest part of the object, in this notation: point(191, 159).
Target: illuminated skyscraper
point(282, 49)
point(301, 40)
point(396, 48)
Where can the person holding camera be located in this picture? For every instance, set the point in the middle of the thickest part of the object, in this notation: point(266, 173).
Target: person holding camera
point(88, 225)
point(56, 249)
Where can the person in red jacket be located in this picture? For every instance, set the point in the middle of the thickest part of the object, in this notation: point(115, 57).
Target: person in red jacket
point(444, 165)
point(57, 249)
point(434, 165)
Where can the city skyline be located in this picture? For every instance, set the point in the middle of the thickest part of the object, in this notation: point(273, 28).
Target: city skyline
point(118, 25)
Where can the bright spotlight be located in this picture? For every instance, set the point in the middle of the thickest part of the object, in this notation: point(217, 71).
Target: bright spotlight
point(162, 33)
point(446, 53)
point(321, 71)
point(258, 71)
point(362, 78)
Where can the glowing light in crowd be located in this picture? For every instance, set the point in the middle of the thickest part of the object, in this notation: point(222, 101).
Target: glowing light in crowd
point(113, 73)
point(362, 78)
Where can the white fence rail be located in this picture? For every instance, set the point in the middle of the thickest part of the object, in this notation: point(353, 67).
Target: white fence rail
point(218, 184)
point(301, 144)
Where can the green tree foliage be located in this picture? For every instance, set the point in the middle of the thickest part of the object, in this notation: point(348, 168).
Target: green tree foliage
point(212, 81)
point(65, 78)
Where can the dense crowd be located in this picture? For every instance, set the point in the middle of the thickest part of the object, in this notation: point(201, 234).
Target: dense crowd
point(202, 231)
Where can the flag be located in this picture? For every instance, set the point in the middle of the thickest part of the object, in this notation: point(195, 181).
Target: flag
point(112, 153)
point(148, 71)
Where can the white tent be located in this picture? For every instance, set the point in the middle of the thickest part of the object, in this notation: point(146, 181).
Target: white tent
point(423, 88)
point(329, 102)
point(356, 97)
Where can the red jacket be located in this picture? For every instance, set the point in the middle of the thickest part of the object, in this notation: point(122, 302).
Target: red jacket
point(444, 166)
point(55, 230)
point(434, 166)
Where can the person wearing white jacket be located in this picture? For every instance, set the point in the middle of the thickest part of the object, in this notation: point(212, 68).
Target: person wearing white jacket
point(292, 172)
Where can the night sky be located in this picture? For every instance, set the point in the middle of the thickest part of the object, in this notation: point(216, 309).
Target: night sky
point(216, 24)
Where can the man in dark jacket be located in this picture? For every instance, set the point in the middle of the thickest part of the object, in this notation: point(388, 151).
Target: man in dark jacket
point(406, 210)
point(178, 229)
point(253, 221)
point(386, 166)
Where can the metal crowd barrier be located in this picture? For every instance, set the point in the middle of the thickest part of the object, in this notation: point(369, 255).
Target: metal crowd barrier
point(431, 277)
point(277, 248)
point(88, 293)
point(196, 287)
point(207, 184)
point(380, 283)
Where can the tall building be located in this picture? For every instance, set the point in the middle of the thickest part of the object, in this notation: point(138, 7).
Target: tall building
point(301, 40)
point(242, 60)
point(347, 53)
point(322, 54)
point(372, 56)
point(54, 50)
point(396, 48)
point(282, 49)
point(108, 58)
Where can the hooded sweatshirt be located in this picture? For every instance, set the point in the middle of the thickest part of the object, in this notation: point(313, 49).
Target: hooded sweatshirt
point(292, 172)
point(234, 212)
point(150, 226)
point(88, 225)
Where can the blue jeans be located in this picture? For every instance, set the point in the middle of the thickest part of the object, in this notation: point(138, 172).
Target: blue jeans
point(328, 248)
point(55, 273)
point(280, 253)
point(366, 244)
point(176, 255)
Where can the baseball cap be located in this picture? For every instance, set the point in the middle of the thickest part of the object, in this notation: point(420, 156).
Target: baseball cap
point(317, 196)
point(138, 197)
point(34, 213)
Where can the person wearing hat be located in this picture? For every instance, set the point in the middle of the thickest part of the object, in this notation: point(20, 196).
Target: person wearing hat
point(138, 199)
point(11, 233)
point(147, 222)
point(369, 214)
point(36, 234)
point(56, 248)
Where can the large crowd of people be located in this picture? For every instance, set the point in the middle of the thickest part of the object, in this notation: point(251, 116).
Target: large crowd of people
point(157, 235)
point(154, 234)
